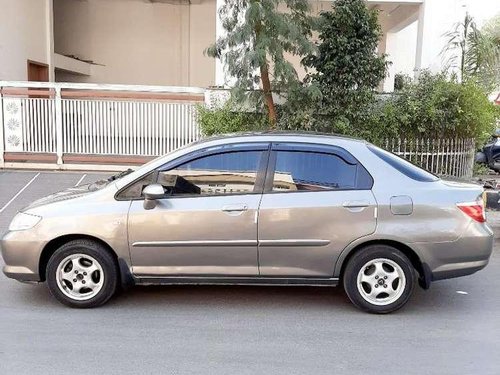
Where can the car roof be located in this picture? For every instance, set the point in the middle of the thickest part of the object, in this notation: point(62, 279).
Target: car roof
point(279, 133)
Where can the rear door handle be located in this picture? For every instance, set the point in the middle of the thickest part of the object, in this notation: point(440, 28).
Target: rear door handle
point(235, 208)
point(355, 204)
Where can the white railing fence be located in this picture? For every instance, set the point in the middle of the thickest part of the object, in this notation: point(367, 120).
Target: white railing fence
point(61, 120)
point(30, 125)
point(126, 127)
point(86, 119)
point(443, 157)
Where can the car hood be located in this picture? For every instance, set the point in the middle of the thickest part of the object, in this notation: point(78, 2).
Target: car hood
point(68, 194)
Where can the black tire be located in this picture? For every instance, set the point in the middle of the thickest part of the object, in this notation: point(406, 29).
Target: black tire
point(101, 255)
point(363, 257)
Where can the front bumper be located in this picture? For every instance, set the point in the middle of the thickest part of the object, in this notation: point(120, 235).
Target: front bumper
point(22, 274)
point(21, 252)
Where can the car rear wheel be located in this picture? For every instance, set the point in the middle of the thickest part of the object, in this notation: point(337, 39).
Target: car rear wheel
point(379, 279)
point(82, 274)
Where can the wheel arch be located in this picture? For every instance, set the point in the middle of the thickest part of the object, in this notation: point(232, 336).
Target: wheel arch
point(420, 267)
point(49, 249)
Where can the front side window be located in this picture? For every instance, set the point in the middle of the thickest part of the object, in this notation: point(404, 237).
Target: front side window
point(134, 190)
point(217, 174)
point(312, 171)
point(227, 173)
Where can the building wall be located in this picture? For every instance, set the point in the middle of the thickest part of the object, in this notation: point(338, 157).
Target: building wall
point(400, 47)
point(137, 42)
point(202, 34)
point(23, 36)
point(436, 18)
point(403, 51)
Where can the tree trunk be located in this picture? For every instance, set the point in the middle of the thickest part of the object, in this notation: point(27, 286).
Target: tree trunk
point(266, 82)
point(268, 95)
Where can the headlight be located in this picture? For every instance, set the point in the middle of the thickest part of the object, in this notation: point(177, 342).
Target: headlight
point(23, 221)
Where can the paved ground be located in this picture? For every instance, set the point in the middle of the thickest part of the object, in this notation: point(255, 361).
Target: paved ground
point(453, 328)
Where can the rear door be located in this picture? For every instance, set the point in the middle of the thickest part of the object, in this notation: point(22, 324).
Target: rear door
point(317, 200)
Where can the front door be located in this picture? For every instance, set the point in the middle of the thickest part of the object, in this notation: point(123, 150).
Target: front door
point(317, 201)
point(207, 222)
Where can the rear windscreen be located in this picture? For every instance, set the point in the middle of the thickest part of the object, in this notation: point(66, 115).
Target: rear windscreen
point(403, 166)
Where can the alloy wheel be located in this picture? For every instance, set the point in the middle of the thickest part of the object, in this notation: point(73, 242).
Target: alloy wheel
point(80, 277)
point(381, 281)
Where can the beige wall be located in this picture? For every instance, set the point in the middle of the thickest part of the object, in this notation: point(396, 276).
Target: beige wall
point(23, 37)
point(202, 34)
point(316, 9)
point(137, 42)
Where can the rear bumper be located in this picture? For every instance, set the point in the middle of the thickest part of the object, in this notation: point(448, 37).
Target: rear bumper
point(458, 269)
point(465, 256)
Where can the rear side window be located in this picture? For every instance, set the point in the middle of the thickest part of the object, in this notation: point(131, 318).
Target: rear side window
point(403, 166)
point(315, 171)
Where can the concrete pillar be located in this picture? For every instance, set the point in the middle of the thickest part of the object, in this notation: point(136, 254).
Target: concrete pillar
point(49, 24)
point(420, 40)
point(435, 18)
point(394, 22)
point(388, 47)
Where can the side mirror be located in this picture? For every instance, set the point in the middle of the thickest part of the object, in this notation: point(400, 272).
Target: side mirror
point(151, 194)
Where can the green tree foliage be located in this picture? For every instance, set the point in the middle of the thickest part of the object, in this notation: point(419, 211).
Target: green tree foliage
point(347, 68)
point(434, 106)
point(259, 34)
point(228, 119)
point(347, 73)
point(492, 27)
point(491, 31)
point(474, 52)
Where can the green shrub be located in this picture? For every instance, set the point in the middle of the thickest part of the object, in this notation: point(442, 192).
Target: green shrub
point(480, 169)
point(434, 106)
point(227, 119)
point(400, 81)
point(477, 116)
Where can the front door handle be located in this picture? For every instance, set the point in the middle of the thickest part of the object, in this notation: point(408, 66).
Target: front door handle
point(235, 208)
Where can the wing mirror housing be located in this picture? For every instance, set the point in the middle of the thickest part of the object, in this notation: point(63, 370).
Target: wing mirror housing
point(151, 194)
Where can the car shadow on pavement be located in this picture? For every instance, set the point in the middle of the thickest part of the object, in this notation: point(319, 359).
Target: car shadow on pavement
point(240, 296)
point(441, 297)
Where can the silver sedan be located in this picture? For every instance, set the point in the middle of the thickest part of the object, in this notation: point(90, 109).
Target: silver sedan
point(260, 209)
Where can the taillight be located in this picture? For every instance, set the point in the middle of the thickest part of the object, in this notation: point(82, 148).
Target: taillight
point(474, 210)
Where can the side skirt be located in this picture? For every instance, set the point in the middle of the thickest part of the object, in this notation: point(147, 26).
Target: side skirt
point(264, 281)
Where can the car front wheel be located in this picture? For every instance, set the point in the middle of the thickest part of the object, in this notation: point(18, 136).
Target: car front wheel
point(379, 279)
point(82, 274)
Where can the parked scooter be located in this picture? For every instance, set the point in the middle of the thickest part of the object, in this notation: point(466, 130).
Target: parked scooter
point(490, 155)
